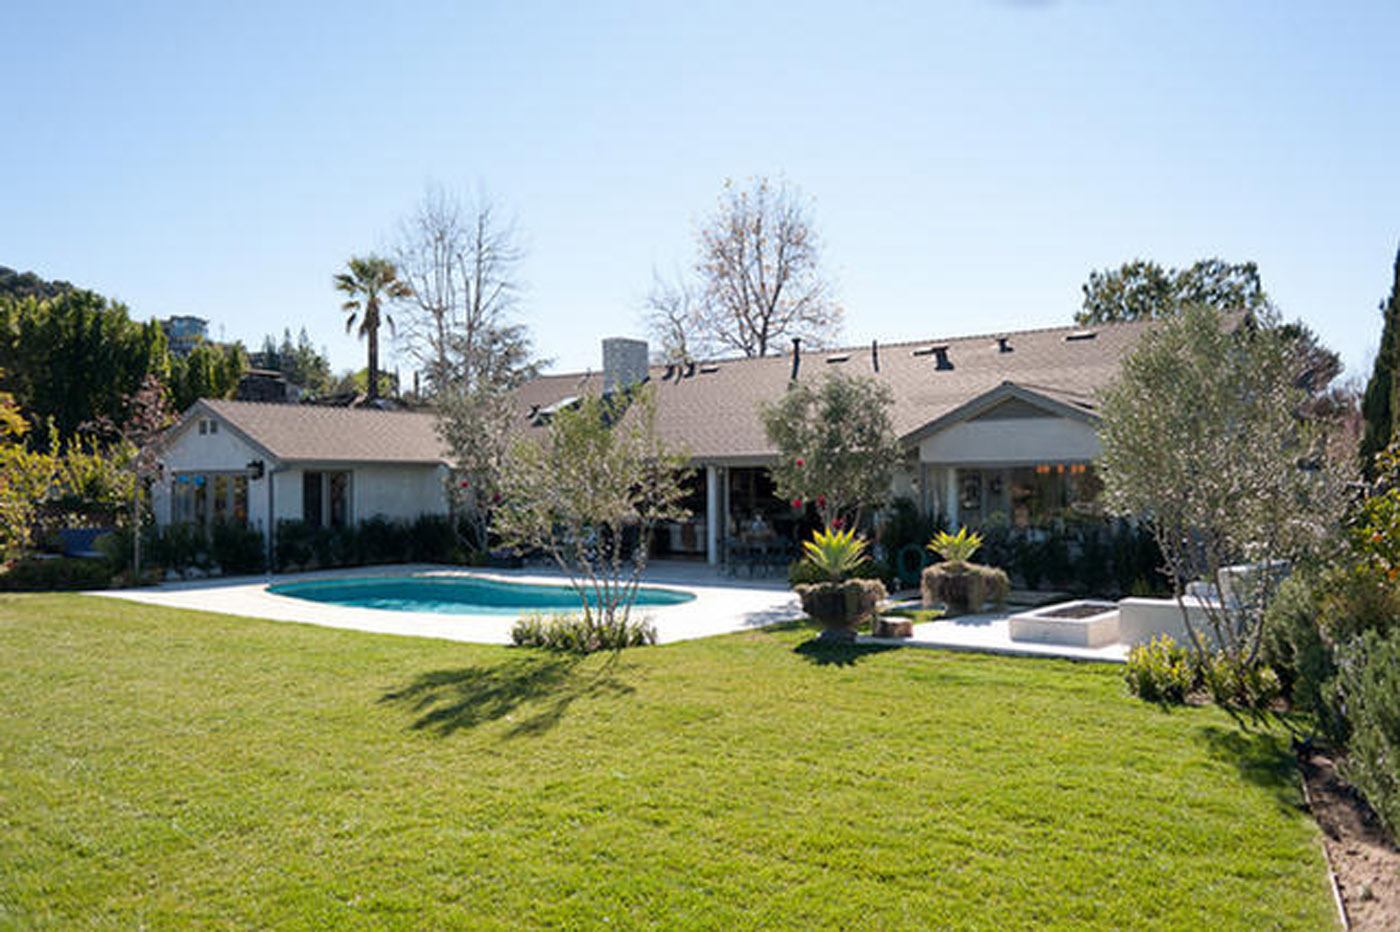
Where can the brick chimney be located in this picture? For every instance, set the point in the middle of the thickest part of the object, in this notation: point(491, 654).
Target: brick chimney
point(624, 363)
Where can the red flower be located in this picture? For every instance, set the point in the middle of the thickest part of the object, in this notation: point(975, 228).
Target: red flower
point(836, 523)
point(798, 461)
point(495, 496)
point(821, 501)
point(797, 503)
point(464, 483)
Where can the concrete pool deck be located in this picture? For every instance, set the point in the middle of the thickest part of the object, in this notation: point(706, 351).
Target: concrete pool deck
point(721, 605)
point(991, 634)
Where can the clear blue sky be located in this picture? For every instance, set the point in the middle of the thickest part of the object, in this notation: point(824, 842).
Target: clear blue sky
point(971, 160)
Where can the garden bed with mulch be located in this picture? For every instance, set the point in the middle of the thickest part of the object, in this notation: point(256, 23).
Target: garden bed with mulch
point(1364, 857)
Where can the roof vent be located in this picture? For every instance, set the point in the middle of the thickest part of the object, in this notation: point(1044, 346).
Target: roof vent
point(1079, 335)
point(875, 355)
point(941, 362)
point(1004, 345)
point(796, 357)
point(841, 357)
point(708, 370)
point(563, 404)
point(689, 370)
point(670, 371)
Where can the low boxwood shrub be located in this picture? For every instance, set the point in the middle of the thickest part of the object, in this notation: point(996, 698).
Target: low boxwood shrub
point(1160, 671)
point(236, 549)
point(579, 635)
point(51, 573)
point(1232, 682)
point(381, 540)
point(432, 539)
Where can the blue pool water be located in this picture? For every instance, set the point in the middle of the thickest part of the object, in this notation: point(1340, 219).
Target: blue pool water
point(454, 595)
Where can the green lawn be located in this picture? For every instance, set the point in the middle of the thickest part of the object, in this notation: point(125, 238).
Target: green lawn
point(173, 769)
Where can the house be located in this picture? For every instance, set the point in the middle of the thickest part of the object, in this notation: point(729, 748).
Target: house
point(995, 427)
point(183, 334)
point(256, 464)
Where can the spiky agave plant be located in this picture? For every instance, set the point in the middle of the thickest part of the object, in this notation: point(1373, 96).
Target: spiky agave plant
point(835, 553)
point(956, 548)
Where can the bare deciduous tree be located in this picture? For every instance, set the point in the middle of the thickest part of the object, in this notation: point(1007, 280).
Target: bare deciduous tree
point(759, 278)
point(671, 318)
point(461, 262)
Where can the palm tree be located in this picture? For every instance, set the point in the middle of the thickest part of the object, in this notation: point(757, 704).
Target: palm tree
point(370, 280)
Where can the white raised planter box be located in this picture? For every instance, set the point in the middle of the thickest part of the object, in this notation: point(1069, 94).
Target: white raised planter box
point(1141, 620)
point(1084, 623)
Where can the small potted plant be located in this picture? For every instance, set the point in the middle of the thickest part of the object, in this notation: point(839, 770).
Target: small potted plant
point(961, 585)
point(838, 602)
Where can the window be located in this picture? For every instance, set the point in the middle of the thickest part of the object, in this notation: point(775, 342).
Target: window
point(204, 498)
point(325, 498)
point(311, 498)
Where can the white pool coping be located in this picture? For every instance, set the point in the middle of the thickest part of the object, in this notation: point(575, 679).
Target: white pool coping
point(719, 606)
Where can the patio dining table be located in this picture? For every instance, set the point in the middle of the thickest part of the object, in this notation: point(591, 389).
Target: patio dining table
point(762, 555)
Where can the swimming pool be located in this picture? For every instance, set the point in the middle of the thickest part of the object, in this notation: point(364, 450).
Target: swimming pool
point(454, 595)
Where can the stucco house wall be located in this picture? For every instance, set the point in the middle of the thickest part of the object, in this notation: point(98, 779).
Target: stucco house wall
point(1013, 442)
point(191, 452)
point(399, 492)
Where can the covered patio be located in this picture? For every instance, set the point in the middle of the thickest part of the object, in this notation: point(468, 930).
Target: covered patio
point(738, 525)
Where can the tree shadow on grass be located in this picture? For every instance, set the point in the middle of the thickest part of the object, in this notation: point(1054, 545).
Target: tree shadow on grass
point(543, 686)
point(1261, 758)
point(826, 654)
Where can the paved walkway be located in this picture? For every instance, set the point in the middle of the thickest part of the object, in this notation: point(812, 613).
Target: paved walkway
point(991, 634)
point(721, 604)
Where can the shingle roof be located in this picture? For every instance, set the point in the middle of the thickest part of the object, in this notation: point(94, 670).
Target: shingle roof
point(309, 433)
point(714, 412)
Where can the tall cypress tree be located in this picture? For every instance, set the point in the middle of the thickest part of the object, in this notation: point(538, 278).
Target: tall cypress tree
point(1381, 404)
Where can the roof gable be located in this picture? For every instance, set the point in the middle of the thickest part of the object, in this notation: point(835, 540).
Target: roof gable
point(310, 433)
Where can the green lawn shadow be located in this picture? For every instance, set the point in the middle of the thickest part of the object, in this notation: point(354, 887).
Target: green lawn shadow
point(826, 654)
point(1260, 757)
point(541, 684)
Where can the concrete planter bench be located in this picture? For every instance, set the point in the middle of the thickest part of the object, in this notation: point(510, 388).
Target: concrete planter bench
point(1083, 623)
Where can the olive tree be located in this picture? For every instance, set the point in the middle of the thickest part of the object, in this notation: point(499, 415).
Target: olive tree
point(1205, 439)
point(589, 492)
point(836, 444)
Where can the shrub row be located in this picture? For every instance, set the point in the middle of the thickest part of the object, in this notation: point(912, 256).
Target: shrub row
point(1082, 554)
point(427, 539)
point(1334, 635)
point(578, 635)
point(1164, 671)
point(49, 573)
point(226, 547)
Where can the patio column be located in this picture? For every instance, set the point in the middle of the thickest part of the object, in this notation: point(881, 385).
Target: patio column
point(712, 515)
point(951, 478)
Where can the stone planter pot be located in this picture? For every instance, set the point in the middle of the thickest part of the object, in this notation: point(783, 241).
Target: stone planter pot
point(963, 587)
point(840, 607)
